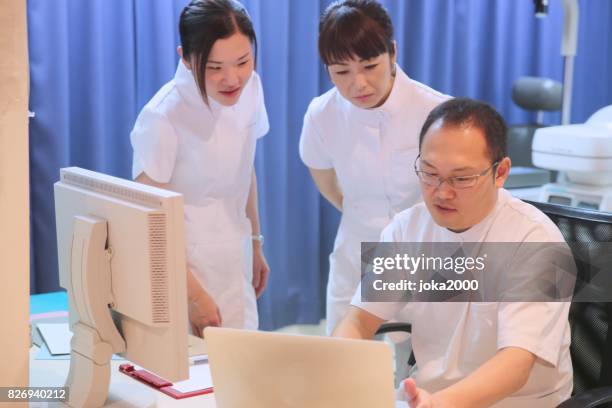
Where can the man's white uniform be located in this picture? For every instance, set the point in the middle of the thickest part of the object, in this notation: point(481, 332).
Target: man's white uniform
point(206, 153)
point(451, 340)
point(372, 152)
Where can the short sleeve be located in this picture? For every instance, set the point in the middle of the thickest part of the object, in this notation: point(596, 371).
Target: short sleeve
point(385, 310)
point(538, 327)
point(261, 125)
point(392, 232)
point(313, 151)
point(155, 146)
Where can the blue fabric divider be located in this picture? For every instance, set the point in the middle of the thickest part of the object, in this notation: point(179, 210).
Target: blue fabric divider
point(95, 63)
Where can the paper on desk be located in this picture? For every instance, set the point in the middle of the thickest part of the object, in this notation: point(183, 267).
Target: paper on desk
point(43, 354)
point(35, 320)
point(57, 337)
point(199, 378)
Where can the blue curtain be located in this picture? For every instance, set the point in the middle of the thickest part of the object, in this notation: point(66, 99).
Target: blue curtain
point(94, 64)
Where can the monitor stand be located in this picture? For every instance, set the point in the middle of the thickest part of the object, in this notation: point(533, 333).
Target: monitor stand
point(95, 337)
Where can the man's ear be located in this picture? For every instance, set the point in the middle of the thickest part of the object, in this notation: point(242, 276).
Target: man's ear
point(502, 172)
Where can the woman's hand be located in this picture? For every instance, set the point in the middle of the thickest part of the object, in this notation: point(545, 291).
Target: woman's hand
point(203, 311)
point(261, 270)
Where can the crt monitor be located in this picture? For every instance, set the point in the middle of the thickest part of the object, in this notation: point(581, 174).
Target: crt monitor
point(121, 249)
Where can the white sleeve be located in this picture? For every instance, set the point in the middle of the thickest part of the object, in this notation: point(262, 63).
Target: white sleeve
point(538, 327)
point(313, 151)
point(261, 125)
point(155, 146)
point(386, 310)
point(393, 231)
point(383, 310)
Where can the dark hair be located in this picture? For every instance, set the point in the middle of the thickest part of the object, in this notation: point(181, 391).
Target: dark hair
point(351, 28)
point(203, 22)
point(465, 111)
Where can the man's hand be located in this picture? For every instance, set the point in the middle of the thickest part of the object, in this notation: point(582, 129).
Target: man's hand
point(203, 312)
point(418, 397)
point(261, 270)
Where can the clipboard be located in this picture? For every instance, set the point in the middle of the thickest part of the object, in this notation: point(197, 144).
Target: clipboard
point(159, 383)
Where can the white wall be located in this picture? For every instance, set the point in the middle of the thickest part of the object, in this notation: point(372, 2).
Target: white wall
point(14, 190)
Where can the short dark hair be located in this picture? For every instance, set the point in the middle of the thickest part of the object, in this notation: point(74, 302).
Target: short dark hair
point(350, 28)
point(481, 115)
point(202, 22)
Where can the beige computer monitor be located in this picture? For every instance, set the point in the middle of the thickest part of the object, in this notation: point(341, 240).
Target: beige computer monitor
point(121, 255)
point(262, 369)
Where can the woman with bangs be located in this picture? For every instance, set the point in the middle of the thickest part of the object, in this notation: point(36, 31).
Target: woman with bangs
point(197, 136)
point(360, 139)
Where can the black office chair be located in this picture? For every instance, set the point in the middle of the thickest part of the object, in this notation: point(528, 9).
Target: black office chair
point(591, 348)
point(590, 322)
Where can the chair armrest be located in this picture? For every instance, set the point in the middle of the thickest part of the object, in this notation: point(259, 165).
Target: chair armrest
point(589, 399)
point(394, 327)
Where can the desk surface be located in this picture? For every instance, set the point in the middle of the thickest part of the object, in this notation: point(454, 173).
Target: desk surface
point(124, 391)
point(48, 302)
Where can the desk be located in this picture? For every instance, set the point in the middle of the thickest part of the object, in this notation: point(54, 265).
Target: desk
point(124, 392)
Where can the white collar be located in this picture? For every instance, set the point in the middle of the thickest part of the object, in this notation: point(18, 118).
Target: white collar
point(392, 105)
point(478, 232)
point(188, 88)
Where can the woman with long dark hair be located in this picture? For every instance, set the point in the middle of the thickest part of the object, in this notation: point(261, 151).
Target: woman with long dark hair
point(197, 136)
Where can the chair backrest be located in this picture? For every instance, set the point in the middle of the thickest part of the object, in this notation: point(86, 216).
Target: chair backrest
point(590, 322)
point(520, 138)
point(534, 94)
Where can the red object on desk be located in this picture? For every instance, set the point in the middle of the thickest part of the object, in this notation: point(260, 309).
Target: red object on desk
point(159, 383)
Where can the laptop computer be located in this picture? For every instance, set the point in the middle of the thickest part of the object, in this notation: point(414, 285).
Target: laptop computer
point(272, 370)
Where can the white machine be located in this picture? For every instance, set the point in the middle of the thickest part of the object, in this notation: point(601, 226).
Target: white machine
point(122, 260)
point(583, 152)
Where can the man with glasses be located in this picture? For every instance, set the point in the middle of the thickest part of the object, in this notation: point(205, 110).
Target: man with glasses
point(473, 354)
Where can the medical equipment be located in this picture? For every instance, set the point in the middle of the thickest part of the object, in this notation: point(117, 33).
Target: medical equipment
point(568, 48)
point(533, 94)
point(541, 8)
point(584, 153)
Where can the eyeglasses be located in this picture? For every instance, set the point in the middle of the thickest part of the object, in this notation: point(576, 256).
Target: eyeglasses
point(458, 182)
